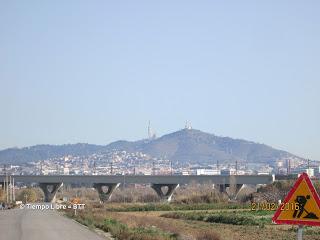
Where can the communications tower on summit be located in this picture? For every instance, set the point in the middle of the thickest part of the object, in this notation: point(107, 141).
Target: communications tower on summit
point(151, 132)
point(188, 125)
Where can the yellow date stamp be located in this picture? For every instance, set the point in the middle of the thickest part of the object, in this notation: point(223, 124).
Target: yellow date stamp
point(266, 206)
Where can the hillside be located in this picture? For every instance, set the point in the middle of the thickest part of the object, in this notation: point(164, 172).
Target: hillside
point(41, 152)
point(184, 146)
point(195, 146)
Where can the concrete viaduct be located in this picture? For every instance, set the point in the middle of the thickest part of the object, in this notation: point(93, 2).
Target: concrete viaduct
point(106, 184)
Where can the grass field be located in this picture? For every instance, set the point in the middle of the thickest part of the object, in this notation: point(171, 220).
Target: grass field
point(198, 221)
point(198, 212)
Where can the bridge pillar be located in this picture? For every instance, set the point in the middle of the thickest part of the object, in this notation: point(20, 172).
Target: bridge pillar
point(221, 187)
point(105, 190)
point(225, 188)
point(167, 195)
point(238, 187)
point(50, 190)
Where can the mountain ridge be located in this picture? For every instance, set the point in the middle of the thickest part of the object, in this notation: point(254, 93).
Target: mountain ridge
point(183, 146)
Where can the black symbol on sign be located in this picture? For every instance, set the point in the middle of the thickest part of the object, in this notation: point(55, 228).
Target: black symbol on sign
point(302, 201)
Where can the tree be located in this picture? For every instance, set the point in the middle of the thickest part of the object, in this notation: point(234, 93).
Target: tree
point(2, 195)
point(27, 195)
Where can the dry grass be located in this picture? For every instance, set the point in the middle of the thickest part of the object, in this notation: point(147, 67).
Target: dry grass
point(193, 193)
point(207, 235)
point(185, 229)
point(151, 219)
point(190, 230)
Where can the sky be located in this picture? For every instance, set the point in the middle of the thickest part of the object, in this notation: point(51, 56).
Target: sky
point(98, 71)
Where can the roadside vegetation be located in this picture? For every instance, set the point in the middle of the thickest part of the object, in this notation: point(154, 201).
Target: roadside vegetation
point(29, 195)
point(120, 230)
point(173, 207)
point(197, 212)
point(256, 218)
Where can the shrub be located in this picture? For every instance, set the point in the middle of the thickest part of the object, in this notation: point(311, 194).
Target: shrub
point(147, 198)
point(207, 235)
point(121, 231)
point(28, 194)
point(226, 218)
point(173, 215)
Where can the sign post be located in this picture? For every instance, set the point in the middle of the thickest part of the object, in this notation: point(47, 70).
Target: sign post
point(75, 203)
point(300, 230)
point(300, 207)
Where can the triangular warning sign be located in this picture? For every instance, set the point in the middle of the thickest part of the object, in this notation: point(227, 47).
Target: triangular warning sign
point(301, 206)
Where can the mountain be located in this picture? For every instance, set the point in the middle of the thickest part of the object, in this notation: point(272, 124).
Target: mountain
point(41, 152)
point(195, 146)
point(184, 146)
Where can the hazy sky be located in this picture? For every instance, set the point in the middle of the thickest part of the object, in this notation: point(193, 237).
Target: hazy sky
point(97, 71)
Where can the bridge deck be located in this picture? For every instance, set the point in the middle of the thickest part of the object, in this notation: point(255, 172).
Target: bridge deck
point(144, 179)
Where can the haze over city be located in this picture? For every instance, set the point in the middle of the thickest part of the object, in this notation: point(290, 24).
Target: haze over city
point(78, 72)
